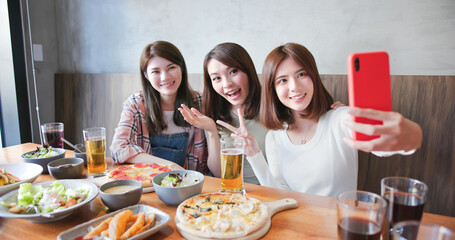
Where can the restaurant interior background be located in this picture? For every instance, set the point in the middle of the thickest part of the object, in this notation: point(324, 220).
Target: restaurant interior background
point(107, 36)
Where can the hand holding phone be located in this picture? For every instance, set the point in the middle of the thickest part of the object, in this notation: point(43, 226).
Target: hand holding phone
point(369, 86)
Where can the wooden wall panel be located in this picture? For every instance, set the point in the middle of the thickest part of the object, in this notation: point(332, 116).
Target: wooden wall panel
point(92, 100)
point(87, 100)
point(429, 101)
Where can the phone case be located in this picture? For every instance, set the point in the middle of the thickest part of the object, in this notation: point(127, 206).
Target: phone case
point(369, 86)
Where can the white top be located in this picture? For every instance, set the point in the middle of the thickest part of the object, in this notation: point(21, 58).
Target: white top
point(325, 165)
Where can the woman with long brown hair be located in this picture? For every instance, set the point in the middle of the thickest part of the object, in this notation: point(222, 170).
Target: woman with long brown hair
point(309, 147)
point(230, 83)
point(150, 128)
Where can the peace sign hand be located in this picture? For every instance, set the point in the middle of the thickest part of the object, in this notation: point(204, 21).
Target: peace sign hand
point(251, 146)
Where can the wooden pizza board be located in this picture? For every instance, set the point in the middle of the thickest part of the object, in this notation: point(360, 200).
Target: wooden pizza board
point(272, 207)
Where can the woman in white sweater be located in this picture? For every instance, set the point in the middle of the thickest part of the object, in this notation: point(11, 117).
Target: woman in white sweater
point(309, 147)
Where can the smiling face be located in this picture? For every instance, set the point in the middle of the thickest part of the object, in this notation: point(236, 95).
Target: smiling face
point(164, 76)
point(293, 86)
point(229, 82)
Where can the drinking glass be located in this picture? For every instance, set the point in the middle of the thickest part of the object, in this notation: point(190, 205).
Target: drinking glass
point(52, 134)
point(95, 144)
point(232, 149)
point(360, 215)
point(415, 230)
point(406, 198)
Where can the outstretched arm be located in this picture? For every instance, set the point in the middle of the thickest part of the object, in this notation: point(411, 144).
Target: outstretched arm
point(199, 120)
point(396, 133)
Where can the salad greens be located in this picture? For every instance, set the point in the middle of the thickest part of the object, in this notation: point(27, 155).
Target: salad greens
point(177, 180)
point(47, 199)
point(42, 152)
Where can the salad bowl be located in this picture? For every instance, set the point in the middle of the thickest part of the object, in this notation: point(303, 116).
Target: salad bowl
point(26, 172)
point(44, 158)
point(89, 189)
point(174, 195)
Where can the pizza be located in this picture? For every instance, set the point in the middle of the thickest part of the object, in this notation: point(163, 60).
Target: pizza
point(139, 171)
point(221, 215)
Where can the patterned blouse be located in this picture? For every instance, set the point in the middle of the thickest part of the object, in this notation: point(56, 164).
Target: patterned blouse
point(132, 136)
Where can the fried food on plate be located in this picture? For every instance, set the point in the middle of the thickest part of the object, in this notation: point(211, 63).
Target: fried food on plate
point(123, 225)
point(104, 225)
point(138, 224)
point(118, 224)
point(150, 222)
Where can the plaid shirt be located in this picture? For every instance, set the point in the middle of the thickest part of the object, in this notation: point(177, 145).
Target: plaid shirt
point(132, 136)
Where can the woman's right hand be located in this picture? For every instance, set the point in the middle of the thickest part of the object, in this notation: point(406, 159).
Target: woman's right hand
point(251, 146)
point(197, 119)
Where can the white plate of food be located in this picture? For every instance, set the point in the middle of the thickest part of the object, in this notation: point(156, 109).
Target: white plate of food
point(21, 173)
point(100, 224)
point(35, 202)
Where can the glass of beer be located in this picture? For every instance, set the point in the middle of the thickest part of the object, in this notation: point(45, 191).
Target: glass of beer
point(360, 215)
point(52, 134)
point(95, 146)
point(232, 149)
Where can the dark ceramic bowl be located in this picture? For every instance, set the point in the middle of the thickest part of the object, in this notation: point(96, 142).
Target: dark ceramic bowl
point(115, 201)
point(44, 161)
point(66, 168)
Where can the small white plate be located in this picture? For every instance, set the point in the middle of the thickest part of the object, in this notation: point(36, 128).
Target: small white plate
point(26, 172)
point(52, 216)
point(161, 220)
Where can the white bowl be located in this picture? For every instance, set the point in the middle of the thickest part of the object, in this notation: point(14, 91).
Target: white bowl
point(176, 195)
point(26, 172)
point(52, 216)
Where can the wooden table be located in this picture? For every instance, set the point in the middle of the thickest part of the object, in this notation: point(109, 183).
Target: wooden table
point(315, 218)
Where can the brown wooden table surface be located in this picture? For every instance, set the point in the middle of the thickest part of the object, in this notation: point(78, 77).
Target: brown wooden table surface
point(315, 218)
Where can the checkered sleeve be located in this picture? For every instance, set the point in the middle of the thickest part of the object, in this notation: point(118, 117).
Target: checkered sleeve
point(131, 134)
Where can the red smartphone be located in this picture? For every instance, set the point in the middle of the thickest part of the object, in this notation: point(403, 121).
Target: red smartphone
point(369, 86)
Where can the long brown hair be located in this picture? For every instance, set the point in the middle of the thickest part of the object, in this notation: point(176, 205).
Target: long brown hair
point(232, 55)
point(185, 95)
point(273, 113)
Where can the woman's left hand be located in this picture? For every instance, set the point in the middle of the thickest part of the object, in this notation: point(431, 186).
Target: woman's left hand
point(396, 132)
point(251, 146)
point(337, 104)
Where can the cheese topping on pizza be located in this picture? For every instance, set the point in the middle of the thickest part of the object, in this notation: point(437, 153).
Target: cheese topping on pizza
point(139, 171)
point(221, 215)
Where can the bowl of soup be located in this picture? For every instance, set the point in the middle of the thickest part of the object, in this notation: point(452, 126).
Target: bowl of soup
point(121, 193)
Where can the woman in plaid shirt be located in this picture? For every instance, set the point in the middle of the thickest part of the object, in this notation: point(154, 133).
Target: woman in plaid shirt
point(150, 130)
